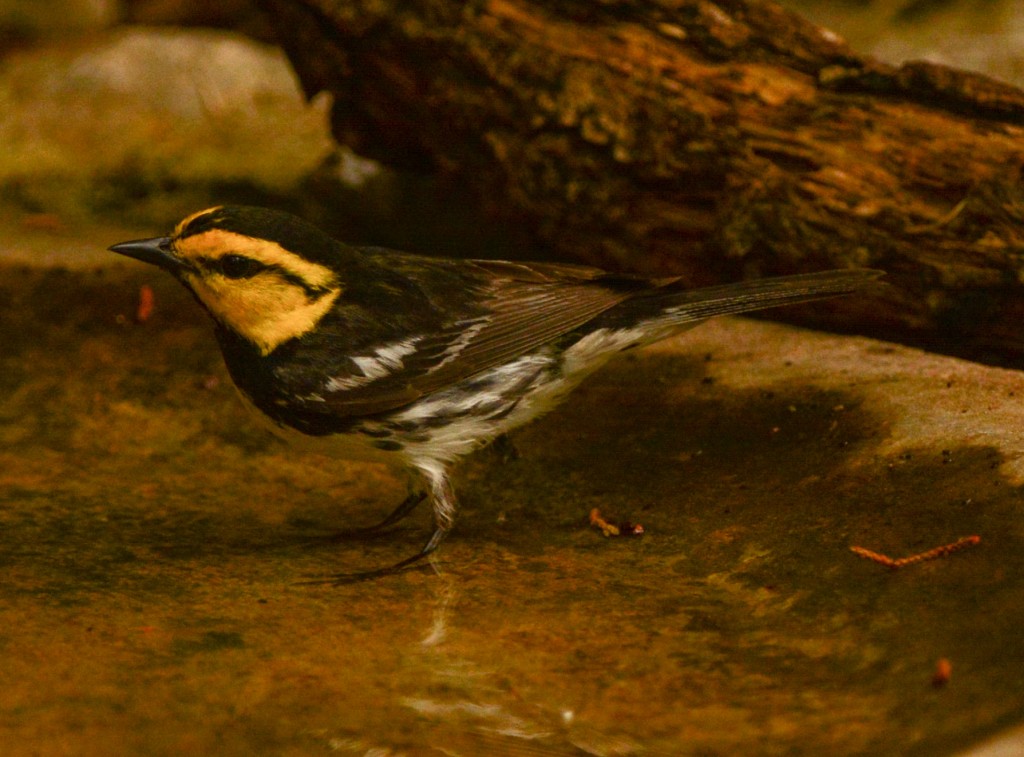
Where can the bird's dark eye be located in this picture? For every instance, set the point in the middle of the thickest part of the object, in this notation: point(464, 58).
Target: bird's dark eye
point(238, 266)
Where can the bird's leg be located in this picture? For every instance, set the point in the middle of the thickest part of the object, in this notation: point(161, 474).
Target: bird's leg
point(442, 499)
point(409, 563)
point(404, 509)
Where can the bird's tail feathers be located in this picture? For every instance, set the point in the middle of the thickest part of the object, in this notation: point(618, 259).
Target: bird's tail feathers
point(676, 308)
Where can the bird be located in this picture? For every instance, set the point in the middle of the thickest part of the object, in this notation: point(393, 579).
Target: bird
point(416, 361)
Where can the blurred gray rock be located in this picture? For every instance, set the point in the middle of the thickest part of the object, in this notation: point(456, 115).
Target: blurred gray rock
point(194, 74)
point(158, 120)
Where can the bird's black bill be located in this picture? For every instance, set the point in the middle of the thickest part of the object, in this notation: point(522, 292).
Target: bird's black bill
point(155, 251)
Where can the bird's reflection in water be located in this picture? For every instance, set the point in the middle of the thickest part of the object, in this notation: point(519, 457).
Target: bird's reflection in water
point(480, 711)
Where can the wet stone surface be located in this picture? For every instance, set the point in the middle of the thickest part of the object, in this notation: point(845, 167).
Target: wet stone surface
point(153, 541)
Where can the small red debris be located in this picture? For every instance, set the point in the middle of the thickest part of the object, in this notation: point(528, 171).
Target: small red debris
point(610, 529)
point(147, 304)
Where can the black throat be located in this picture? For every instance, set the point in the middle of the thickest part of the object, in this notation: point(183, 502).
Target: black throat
point(276, 387)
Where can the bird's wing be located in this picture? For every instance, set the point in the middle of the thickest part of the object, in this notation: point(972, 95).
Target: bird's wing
point(517, 308)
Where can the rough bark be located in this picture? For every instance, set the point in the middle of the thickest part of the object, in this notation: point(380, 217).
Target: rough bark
point(714, 139)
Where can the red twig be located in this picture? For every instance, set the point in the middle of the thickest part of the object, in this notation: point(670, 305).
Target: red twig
point(931, 554)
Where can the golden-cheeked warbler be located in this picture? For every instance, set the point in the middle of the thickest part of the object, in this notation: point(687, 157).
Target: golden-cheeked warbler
point(417, 361)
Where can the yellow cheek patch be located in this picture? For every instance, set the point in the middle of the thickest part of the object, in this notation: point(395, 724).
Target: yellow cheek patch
point(280, 303)
point(266, 310)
